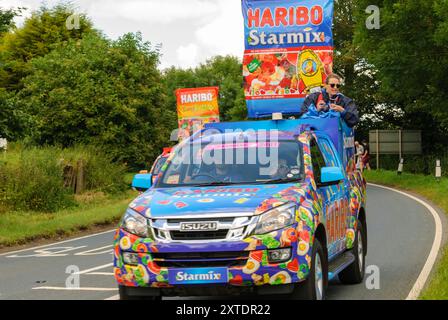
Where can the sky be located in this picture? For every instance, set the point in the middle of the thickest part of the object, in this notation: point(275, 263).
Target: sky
point(190, 31)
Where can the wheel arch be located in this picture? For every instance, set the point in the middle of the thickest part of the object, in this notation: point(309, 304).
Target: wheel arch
point(321, 235)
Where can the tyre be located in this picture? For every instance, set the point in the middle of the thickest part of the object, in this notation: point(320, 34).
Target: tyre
point(315, 286)
point(354, 273)
point(125, 296)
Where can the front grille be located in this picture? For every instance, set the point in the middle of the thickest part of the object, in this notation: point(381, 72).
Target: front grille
point(228, 228)
point(201, 264)
point(201, 255)
point(201, 259)
point(221, 220)
point(199, 235)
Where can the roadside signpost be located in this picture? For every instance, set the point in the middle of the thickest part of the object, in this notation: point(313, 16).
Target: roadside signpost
point(438, 171)
point(3, 145)
point(399, 142)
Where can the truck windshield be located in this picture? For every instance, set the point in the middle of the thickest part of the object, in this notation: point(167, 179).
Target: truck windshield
point(202, 164)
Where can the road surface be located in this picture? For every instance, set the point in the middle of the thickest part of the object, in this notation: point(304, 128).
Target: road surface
point(400, 231)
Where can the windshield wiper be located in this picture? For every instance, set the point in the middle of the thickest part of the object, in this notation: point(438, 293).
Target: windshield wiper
point(214, 183)
point(227, 183)
point(280, 181)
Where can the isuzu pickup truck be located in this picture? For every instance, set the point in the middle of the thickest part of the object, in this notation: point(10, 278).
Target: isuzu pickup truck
point(265, 207)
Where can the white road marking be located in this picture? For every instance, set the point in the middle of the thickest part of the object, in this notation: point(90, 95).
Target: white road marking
point(101, 273)
point(115, 297)
point(52, 244)
point(48, 252)
point(92, 252)
point(74, 289)
point(432, 257)
point(95, 268)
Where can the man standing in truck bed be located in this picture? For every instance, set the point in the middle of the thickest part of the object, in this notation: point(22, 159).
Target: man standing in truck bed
point(331, 99)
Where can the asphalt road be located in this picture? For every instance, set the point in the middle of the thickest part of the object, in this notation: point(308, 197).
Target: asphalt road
point(400, 230)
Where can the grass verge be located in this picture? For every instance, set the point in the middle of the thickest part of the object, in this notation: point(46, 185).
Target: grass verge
point(435, 191)
point(20, 227)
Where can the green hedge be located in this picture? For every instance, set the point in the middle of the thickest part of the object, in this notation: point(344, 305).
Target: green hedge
point(33, 178)
point(415, 164)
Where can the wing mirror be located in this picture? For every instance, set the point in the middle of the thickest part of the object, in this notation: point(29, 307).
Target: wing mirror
point(142, 182)
point(331, 175)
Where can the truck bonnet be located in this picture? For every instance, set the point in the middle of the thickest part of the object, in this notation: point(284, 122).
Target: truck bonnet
point(182, 201)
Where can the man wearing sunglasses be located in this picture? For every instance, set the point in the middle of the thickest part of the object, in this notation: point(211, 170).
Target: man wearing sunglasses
point(331, 99)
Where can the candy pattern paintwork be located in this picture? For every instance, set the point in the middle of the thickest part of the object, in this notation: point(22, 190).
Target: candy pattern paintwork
point(257, 270)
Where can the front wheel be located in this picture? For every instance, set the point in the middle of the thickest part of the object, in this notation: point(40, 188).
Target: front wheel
point(354, 273)
point(315, 287)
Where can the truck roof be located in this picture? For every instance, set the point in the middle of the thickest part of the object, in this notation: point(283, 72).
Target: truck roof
point(339, 133)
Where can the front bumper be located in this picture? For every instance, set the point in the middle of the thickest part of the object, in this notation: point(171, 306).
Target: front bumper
point(256, 271)
point(206, 291)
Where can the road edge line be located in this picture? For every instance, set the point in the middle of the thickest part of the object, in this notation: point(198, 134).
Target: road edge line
point(75, 289)
point(59, 242)
point(432, 257)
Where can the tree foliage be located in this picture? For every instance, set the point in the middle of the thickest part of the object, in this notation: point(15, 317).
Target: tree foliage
point(40, 33)
point(7, 19)
point(96, 91)
point(14, 123)
point(410, 54)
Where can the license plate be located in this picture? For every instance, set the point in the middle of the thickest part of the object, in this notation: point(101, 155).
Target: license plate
point(197, 275)
point(199, 226)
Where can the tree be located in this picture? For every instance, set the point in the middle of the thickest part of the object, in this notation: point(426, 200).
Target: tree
point(14, 123)
point(40, 33)
point(359, 76)
point(409, 51)
point(96, 91)
point(7, 19)
point(11, 120)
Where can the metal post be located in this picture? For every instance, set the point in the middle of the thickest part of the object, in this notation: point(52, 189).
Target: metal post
point(400, 142)
point(377, 149)
point(438, 171)
point(400, 166)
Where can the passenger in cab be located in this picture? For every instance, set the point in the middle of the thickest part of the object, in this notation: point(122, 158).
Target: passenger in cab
point(331, 102)
point(281, 170)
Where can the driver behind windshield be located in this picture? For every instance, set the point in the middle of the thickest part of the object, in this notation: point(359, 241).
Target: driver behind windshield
point(219, 173)
point(280, 171)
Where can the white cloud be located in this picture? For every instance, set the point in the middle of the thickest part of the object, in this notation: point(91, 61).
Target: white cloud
point(225, 33)
point(188, 55)
point(154, 11)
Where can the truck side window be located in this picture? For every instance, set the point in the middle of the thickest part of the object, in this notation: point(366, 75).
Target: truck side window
point(317, 160)
point(327, 152)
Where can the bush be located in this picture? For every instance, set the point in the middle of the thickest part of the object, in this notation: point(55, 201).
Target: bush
point(33, 178)
point(101, 173)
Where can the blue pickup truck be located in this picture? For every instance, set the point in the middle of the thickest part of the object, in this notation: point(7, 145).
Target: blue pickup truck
point(264, 207)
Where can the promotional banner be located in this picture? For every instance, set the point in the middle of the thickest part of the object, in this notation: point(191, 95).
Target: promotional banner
point(196, 106)
point(288, 53)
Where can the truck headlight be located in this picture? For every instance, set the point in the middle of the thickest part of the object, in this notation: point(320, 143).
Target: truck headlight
point(276, 218)
point(135, 223)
